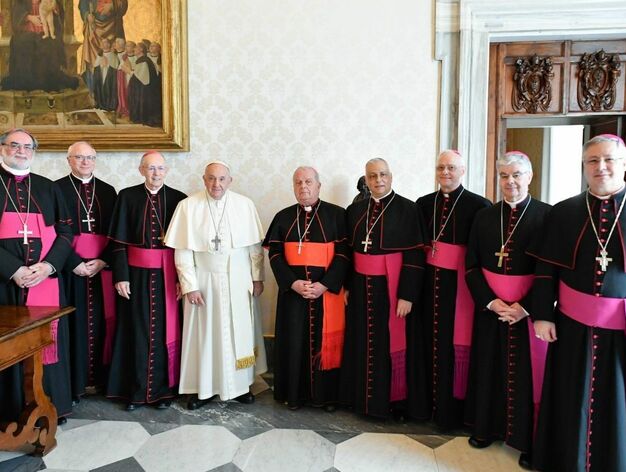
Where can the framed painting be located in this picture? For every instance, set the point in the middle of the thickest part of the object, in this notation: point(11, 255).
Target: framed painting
point(111, 72)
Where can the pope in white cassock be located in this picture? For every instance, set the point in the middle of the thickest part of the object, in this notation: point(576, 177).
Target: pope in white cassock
point(216, 234)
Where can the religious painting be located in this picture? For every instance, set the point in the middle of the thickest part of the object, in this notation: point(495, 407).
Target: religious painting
point(112, 72)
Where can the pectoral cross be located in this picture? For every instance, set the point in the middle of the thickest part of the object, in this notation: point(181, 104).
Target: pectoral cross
point(433, 249)
point(366, 243)
point(500, 255)
point(299, 247)
point(604, 259)
point(25, 232)
point(88, 220)
point(216, 241)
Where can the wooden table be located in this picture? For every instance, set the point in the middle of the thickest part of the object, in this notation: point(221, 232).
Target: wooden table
point(24, 332)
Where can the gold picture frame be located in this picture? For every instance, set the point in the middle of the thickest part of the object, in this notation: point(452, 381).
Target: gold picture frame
point(18, 108)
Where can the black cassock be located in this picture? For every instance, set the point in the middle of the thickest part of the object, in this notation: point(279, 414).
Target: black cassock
point(366, 371)
point(45, 199)
point(499, 402)
point(298, 378)
point(105, 88)
point(145, 101)
point(582, 421)
point(139, 367)
point(87, 323)
point(431, 350)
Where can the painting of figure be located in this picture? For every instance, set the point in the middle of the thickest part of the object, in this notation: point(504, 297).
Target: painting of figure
point(86, 64)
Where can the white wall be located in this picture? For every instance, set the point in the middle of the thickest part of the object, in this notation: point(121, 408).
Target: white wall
point(274, 84)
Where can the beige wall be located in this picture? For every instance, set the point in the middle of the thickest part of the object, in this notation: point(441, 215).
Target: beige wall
point(279, 83)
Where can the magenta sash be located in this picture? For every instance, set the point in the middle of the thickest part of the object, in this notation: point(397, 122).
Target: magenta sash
point(90, 246)
point(390, 265)
point(452, 257)
point(47, 292)
point(512, 288)
point(597, 312)
point(164, 259)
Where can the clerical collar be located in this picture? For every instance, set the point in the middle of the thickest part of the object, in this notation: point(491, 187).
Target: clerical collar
point(309, 208)
point(383, 197)
point(153, 192)
point(454, 192)
point(16, 172)
point(606, 197)
point(517, 202)
point(83, 180)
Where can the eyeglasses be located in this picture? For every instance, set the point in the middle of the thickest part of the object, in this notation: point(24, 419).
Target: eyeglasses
point(155, 168)
point(15, 146)
point(595, 161)
point(79, 157)
point(442, 168)
point(515, 175)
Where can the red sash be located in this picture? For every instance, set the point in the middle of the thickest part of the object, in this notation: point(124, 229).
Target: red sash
point(512, 288)
point(90, 246)
point(47, 292)
point(452, 257)
point(164, 259)
point(334, 322)
point(599, 312)
point(390, 266)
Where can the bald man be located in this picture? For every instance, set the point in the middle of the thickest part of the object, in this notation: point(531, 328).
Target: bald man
point(146, 350)
point(439, 340)
point(217, 237)
point(88, 278)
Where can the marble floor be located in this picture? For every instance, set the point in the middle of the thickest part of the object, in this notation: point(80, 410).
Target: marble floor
point(228, 436)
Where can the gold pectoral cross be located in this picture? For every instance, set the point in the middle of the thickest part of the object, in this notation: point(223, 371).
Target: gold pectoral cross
point(500, 255)
point(604, 259)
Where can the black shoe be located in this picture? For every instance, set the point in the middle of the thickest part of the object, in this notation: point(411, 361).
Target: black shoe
point(479, 443)
point(61, 420)
point(525, 461)
point(163, 405)
point(246, 398)
point(194, 402)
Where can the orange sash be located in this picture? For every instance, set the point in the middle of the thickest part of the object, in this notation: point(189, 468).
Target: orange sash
point(334, 322)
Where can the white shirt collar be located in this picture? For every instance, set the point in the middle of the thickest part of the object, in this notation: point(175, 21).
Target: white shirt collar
point(606, 197)
point(153, 192)
point(383, 197)
point(83, 180)
point(10, 170)
point(515, 203)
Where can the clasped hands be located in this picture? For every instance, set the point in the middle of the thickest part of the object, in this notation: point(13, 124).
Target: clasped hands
point(89, 268)
point(307, 289)
point(30, 276)
point(508, 313)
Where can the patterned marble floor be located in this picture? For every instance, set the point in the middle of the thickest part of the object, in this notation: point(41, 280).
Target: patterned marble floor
point(227, 437)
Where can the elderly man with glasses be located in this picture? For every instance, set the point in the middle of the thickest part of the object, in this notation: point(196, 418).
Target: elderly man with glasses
point(35, 241)
point(582, 422)
point(506, 360)
point(146, 350)
point(89, 279)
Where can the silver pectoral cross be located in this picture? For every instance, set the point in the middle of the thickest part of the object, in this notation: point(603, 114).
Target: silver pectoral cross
point(366, 243)
point(88, 220)
point(500, 255)
point(299, 247)
point(25, 233)
point(216, 241)
point(433, 249)
point(604, 259)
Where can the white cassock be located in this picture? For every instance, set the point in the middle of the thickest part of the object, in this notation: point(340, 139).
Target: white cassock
point(222, 345)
